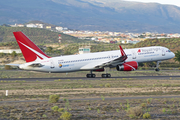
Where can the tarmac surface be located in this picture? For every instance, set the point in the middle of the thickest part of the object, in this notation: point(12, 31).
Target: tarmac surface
point(84, 78)
point(87, 99)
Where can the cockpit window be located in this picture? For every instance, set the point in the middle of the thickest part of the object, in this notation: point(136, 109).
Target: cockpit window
point(168, 51)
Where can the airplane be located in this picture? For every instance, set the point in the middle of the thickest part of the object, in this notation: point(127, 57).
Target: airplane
point(123, 60)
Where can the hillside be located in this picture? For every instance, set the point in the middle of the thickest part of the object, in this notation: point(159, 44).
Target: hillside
point(104, 15)
point(172, 43)
point(37, 35)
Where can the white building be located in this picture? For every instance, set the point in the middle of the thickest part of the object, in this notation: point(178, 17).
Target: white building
point(39, 25)
point(20, 25)
point(17, 25)
point(129, 41)
point(10, 51)
point(65, 28)
point(31, 25)
point(84, 50)
point(59, 28)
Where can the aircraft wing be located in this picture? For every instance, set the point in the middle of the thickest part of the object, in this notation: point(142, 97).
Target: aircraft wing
point(121, 59)
point(109, 63)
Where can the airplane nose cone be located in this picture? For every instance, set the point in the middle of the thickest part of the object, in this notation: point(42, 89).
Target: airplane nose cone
point(173, 55)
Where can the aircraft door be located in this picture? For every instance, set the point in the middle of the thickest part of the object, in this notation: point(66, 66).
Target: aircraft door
point(51, 64)
point(134, 55)
point(163, 52)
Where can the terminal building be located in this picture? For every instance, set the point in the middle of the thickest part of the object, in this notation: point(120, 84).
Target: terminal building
point(84, 49)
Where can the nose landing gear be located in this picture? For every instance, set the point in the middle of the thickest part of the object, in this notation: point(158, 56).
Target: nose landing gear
point(157, 66)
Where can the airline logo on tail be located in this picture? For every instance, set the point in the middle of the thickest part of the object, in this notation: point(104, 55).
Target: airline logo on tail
point(30, 51)
point(39, 55)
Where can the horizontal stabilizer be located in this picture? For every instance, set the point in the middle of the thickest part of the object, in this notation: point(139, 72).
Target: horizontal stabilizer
point(15, 65)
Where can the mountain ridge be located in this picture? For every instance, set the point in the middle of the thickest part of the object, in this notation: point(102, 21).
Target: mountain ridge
point(101, 15)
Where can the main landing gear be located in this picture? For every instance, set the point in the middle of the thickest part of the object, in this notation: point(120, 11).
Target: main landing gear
point(107, 75)
point(157, 66)
point(91, 75)
point(103, 75)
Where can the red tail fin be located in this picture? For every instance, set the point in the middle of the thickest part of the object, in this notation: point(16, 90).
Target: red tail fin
point(30, 51)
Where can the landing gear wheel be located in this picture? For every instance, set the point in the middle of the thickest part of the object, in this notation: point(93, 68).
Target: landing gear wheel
point(90, 75)
point(93, 75)
point(103, 75)
point(157, 69)
point(106, 75)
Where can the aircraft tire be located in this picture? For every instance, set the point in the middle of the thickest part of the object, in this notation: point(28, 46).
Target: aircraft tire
point(106, 75)
point(90, 75)
point(157, 69)
point(93, 75)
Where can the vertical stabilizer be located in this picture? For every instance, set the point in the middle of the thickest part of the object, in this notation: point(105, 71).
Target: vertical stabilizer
point(30, 51)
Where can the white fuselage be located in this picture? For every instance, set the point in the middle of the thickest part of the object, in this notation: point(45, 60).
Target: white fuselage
point(84, 62)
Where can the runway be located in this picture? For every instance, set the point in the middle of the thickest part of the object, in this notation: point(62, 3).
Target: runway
point(87, 99)
point(97, 78)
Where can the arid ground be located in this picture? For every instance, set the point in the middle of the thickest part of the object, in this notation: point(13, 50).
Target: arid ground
point(102, 109)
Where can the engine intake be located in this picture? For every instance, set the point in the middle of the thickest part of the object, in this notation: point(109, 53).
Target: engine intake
point(127, 66)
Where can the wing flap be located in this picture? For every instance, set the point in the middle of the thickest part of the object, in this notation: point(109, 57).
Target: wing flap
point(90, 66)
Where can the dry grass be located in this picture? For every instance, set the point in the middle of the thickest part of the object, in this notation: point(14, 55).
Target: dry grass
point(101, 88)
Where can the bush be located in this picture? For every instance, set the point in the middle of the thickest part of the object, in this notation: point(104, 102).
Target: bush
point(53, 98)
point(66, 116)
point(7, 67)
point(2, 54)
point(14, 54)
point(146, 116)
point(143, 105)
point(55, 108)
point(135, 112)
point(107, 85)
point(61, 110)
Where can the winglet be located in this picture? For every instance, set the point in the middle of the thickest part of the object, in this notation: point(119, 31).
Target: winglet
point(122, 51)
point(123, 54)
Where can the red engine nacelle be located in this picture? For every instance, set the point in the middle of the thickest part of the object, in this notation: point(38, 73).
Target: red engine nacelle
point(127, 66)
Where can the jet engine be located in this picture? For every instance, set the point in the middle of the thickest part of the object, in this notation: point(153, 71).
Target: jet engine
point(127, 66)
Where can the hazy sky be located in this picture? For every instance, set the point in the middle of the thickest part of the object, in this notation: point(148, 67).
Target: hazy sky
point(172, 2)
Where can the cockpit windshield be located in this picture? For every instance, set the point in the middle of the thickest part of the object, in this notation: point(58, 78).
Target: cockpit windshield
point(168, 51)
